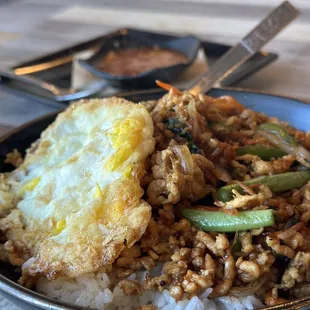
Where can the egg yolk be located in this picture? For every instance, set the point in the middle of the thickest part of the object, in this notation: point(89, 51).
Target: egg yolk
point(30, 186)
point(127, 172)
point(112, 207)
point(125, 136)
point(98, 192)
point(60, 225)
point(125, 129)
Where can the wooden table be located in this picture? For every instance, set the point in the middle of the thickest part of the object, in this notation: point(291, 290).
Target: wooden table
point(30, 28)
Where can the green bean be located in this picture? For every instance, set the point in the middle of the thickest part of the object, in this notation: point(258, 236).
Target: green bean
point(279, 131)
point(277, 183)
point(265, 152)
point(278, 136)
point(222, 222)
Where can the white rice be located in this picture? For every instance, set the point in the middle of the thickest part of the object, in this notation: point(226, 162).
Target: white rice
point(98, 291)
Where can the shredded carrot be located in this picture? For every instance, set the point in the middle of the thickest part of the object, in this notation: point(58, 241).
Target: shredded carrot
point(228, 104)
point(271, 301)
point(168, 87)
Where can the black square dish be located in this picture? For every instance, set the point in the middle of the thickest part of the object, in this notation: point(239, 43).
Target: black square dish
point(57, 67)
point(129, 39)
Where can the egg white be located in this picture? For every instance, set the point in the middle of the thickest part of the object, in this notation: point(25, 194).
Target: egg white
point(71, 209)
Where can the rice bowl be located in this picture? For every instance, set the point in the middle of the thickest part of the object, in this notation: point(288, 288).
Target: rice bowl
point(45, 287)
point(97, 291)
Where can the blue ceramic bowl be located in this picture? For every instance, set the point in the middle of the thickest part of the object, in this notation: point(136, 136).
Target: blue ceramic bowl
point(296, 112)
point(129, 38)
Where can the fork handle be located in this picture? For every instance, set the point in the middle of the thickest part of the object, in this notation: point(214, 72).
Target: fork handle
point(29, 81)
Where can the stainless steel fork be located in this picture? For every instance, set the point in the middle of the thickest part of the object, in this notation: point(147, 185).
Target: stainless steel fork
point(266, 30)
point(48, 91)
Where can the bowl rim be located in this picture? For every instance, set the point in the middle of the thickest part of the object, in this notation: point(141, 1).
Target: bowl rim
point(151, 91)
point(9, 287)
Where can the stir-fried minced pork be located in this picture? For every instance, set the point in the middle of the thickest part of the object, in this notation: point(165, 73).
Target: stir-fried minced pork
point(213, 155)
point(171, 183)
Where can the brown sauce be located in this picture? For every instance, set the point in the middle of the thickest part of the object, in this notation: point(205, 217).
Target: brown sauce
point(134, 61)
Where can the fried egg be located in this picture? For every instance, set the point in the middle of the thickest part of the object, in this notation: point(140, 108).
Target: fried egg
point(75, 202)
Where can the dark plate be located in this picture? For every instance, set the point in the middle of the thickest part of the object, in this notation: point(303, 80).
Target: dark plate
point(130, 38)
point(291, 110)
point(56, 67)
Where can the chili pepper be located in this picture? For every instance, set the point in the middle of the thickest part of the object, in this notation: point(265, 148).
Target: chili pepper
point(277, 183)
point(221, 222)
point(265, 152)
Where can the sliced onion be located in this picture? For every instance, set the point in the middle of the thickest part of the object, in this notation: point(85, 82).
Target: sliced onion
point(246, 188)
point(194, 118)
point(221, 173)
point(301, 153)
point(185, 157)
point(197, 121)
